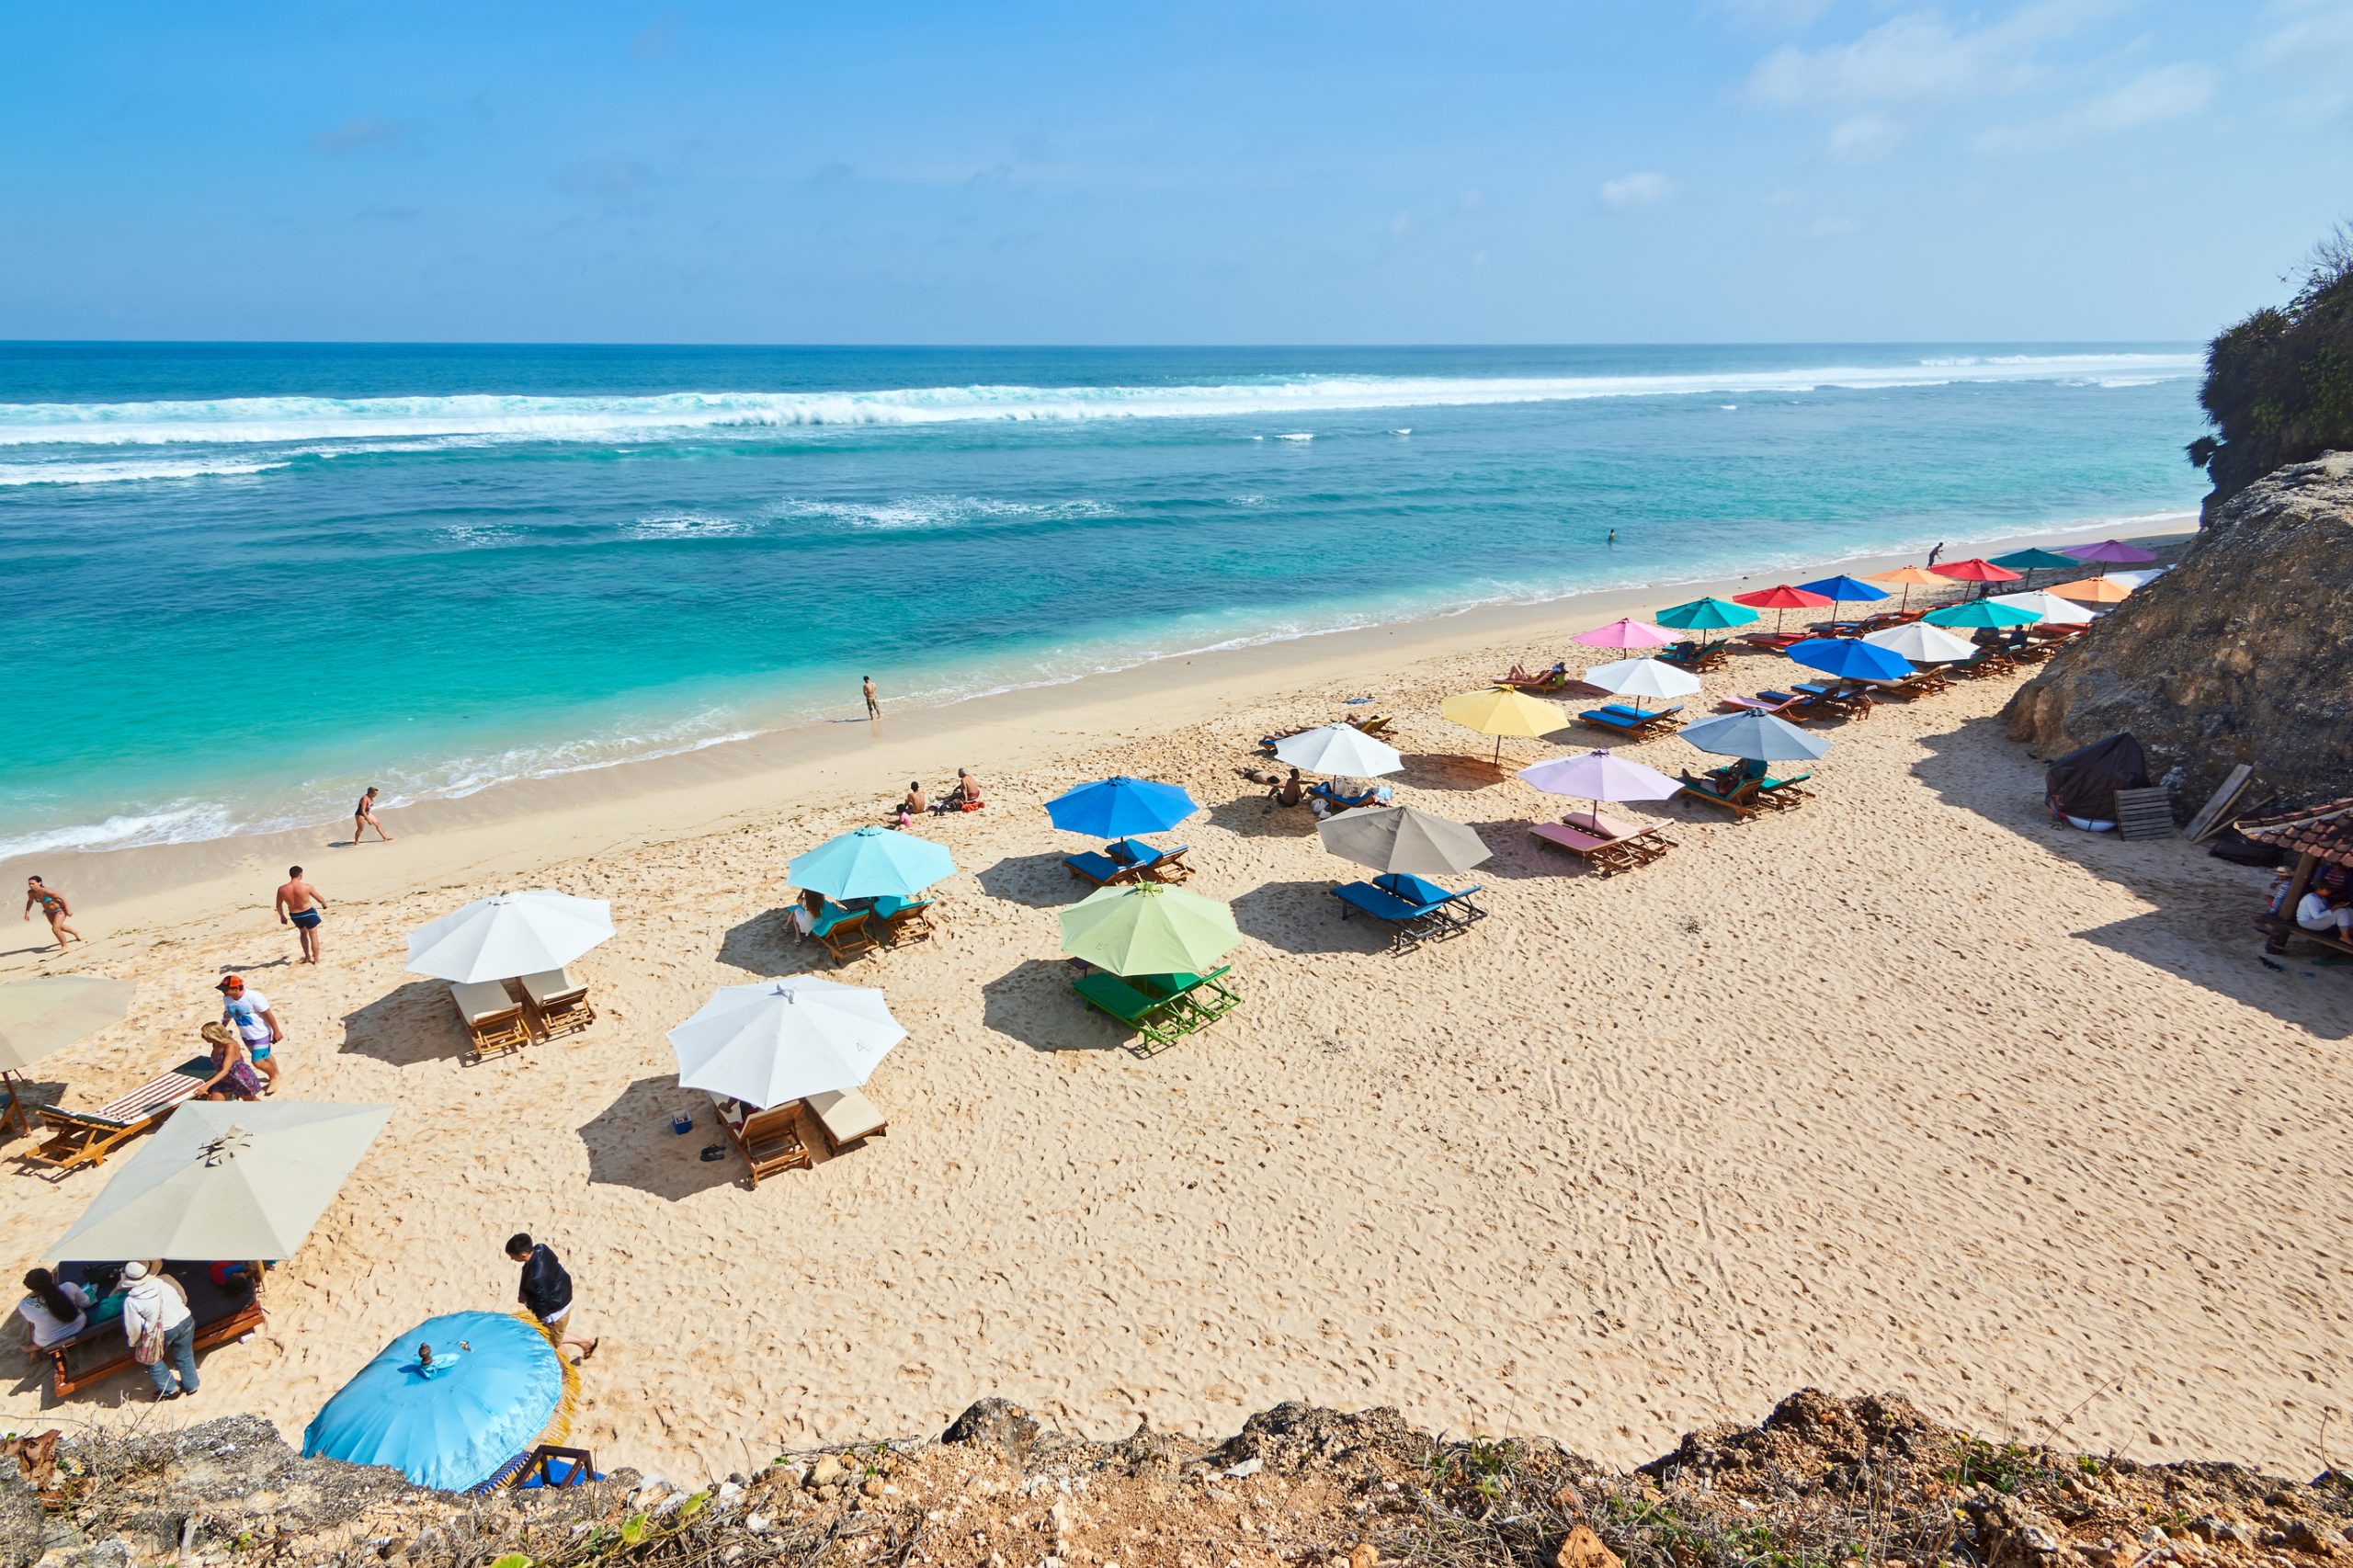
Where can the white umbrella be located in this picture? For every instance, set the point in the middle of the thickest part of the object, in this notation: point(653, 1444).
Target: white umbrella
point(38, 1016)
point(1338, 748)
point(784, 1040)
point(2050, 606)
point(1641, 677)
point(1921, 643)
point(226, 1179)
point(510, 935)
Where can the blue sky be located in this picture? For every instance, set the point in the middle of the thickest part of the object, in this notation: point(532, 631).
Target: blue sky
point(1595, 170)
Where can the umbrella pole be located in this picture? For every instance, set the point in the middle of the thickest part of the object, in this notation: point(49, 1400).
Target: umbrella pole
point(1499, 758)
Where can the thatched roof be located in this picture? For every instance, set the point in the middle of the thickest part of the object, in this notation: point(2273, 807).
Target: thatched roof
point(2325, 831)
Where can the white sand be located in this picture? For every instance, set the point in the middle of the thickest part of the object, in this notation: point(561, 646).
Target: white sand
point(1905, 1090)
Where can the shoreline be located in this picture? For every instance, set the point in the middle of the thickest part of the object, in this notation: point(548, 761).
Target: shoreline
point(632, 803)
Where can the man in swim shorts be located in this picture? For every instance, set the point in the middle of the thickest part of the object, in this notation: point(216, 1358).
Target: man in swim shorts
point(248, 1013)
point(299, 905)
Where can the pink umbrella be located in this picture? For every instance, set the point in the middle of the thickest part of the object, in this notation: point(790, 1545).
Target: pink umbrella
point(1627, 633)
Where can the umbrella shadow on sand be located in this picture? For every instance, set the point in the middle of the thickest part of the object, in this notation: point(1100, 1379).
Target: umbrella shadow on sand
point(1040, 881)
point(1452, 770)
point(766, 944)
point(630, 1145)
point(1033, 1003)
point(1304, 917)
point(1254, 816)
point(408, 1026)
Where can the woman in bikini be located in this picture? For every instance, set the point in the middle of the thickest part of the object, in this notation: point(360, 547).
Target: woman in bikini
point(52, 905)
point(363, 817)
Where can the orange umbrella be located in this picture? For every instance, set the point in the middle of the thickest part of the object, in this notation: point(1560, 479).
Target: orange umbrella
point(2092, 591)
point(1907, 578)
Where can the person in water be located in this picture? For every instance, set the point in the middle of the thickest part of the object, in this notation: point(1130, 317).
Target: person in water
point(363, 817)
point(873, 708)
point(52, 905)
point(299, 905)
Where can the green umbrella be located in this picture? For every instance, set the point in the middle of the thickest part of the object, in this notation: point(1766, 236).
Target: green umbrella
point(1149, 928)
point(1981, 612)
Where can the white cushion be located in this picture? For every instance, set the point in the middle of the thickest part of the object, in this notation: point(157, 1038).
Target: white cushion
point(480, 999)
point(847, 1115)
point(545, 987)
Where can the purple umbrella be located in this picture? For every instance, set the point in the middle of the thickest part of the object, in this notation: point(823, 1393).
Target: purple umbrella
point(1597, 776)
point(2111, 552)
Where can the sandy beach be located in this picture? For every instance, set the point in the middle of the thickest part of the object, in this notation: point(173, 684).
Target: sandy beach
point(1903, 1090)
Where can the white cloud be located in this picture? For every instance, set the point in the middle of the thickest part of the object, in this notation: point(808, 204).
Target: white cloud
point(1864, 138)
point(1647, 189)
point(1918, 57)
point(2169, 92)
point(2312, 42)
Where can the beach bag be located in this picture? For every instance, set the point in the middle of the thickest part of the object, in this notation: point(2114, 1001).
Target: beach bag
point(149, 1348)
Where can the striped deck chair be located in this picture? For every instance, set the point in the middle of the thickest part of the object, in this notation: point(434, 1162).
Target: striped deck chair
point(77, 1138)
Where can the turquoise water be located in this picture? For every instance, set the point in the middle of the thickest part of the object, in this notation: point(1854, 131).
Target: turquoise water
point(246, 580)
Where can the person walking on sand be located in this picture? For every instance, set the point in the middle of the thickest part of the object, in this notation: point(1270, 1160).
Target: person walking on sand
point(250, 1014)
point(53, 905)
point(299, 905)
point(873, 708)
point(363, 817)
point(1936, 553)
point(545, 1291)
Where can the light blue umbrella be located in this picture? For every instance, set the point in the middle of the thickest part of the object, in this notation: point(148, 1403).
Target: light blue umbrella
point(1120, 808)
point(1758, 737)
point(872, 862)
point(1850, 659)
point(449, 1404)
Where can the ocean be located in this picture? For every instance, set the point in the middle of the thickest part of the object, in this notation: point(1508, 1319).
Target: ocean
point(246, 580)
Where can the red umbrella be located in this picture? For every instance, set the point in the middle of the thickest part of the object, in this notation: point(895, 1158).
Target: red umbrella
point(1781, 598)
point(1974, 570)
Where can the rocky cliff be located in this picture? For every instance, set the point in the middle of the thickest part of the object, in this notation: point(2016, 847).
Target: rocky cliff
point(2242, 652)
point(1821, 1482)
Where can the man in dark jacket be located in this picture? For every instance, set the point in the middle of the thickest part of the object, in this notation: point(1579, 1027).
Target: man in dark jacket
point(547, 1293)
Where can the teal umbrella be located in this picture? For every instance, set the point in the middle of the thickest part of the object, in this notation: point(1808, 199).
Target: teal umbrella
point(2031, 560)
point(872, 862)
point(1705, 615)
point(1981, 612)
point(449, 1404)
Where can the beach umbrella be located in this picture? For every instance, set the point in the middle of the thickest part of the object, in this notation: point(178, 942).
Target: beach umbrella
point(1119, 808)
point(1755, 737)
point(2029, 562)
point(1981, 612)
point(225, 1178)
point(2094, 591)
point(1907, 578)
point(1639, 678)
point(784, 1040)
point(1501, 711)
point(1922, 644)
point(1149, 928)
point(1976, 571)
point(2050, 606)
point(38, 1016)
point(1597, 776)
point(870, 862)
point(1705, 615)
point(1400, 839)
point(1626, 633)
point(2137, 579)
point(1850, 658)
point(507, 934)
point(451, 1404)
point(1338, 748)
point(1841, 589)
point(1782, 597)
point(2111, 552)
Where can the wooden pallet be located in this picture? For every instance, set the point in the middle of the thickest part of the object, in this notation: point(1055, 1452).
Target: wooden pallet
point(2145, 814)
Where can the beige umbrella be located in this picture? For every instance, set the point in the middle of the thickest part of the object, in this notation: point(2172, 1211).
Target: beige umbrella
point(39, 1016)
point(226, 1179)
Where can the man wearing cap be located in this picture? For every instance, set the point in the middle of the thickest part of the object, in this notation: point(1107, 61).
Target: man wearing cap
point(248, 1012)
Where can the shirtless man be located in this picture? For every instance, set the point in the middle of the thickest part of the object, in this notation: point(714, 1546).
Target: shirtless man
point(299, 905)
point(873, 708)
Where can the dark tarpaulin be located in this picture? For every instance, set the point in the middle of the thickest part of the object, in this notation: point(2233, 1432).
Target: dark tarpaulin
point(2084, 782)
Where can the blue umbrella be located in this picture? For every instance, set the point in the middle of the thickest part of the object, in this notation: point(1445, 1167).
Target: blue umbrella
point(872, 862)
point(1850, 659)
point(1843, 587)
point(1120, 808)
point(1758, 737)
point(449, 1404)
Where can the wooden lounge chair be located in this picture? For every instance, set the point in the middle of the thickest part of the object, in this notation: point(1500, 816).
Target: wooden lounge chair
point(1605, 844)
point(845, 934)
point(99, 1351)
point(903, 920)
point(1166, 865)
point(1741, 800)
point(1376, 725)
point(1339, 802)
point(1641, 724)
point(1693, 655)
point(72, 1139)
point(845, 1117)
point(1784, 704)
point(1159, 1020)
point(1888, 618)
point(559, 1003)
point(1844, 699)
point(1985, 662)
point(1775, 641)
point(1549, 683)
point(1782, 794)
point(1103, 870)
point(768, 1139)
point(1918, 684)
point(494, 1020)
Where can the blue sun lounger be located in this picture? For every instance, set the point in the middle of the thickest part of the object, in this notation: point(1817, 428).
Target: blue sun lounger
point(1633, 722)
point(1420, 913)
point(1457, 906)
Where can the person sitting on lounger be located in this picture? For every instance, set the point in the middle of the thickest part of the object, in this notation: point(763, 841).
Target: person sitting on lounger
point(806, 912)
point(234, 1077)
point(1557, 676)
point(1290, 792)
point(1731, 776)
point(2317, 912)
point(56, 1311)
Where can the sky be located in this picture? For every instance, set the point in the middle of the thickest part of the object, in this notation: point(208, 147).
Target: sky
point(1141, 173)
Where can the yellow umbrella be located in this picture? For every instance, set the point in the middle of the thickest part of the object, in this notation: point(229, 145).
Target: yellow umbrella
point(1501, 711)
point(1907, 578)
point(2091, 591)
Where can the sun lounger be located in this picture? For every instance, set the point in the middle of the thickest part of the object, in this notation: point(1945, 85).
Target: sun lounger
point(1919, 683)
point(1839, 628)
point(76, 1138)
point(1377, 725)
point(1339, 802)
point(1455, 905)
point(1741, 802)
point(1159, 865)
point(1637, 722)
point(2056, 631)
point(1410, 923)
point(1848, 699)
point(845, 934)
point(1786, 704)
point(1374, 724)
point(845, 1117)
point(768, 1139)
point(1985, 662)
point(99, 1351)
point(902, 919)
point(1782, 794)
point(1776, 640)
point(559, 1003)
point(494, 1020)
point(1200, 999)
point(1606, 854)
point(1888, 618)
point(1161, 1021)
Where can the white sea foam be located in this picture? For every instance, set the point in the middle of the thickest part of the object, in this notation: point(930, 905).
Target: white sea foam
point(129, 473)
point(484, 418)
point(1296, 436)
point(913, 512)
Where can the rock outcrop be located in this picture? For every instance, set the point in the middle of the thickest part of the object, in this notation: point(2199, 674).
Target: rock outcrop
point(2242, 652)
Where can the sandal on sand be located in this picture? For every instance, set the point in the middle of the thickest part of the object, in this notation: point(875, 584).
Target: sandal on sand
point(590, 1348)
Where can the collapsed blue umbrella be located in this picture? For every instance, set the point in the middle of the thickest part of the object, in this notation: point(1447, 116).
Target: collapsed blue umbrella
point(1850, 659)
point(1120, 808)
point(871, 862)
point(450, 1404)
